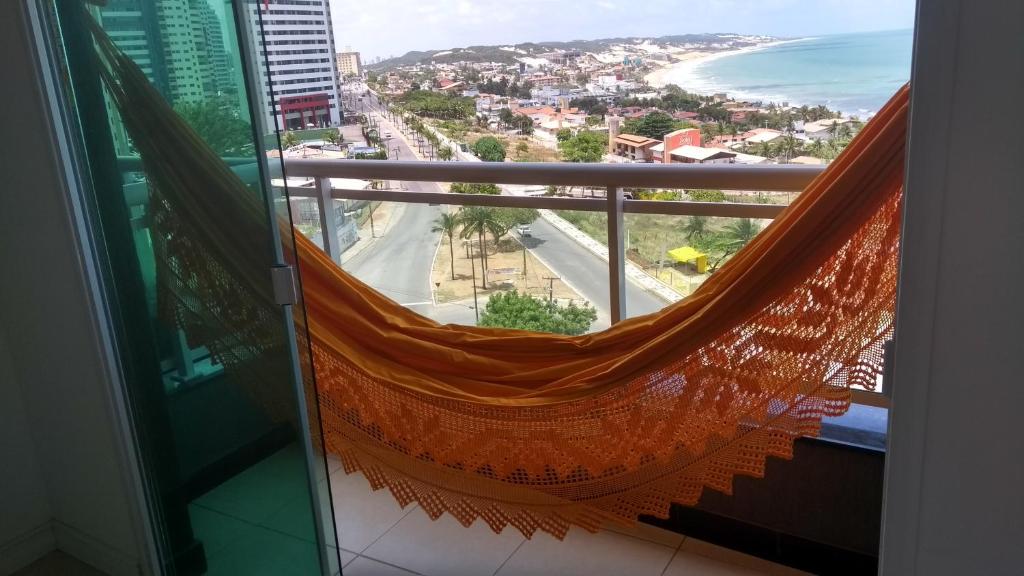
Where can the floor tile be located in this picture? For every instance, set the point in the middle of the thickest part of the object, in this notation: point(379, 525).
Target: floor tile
point(689, 564)
point(263, 489)
point(650, 533)
point(216, 531)
point(361, 514)
point(58, 563)
point(444, 547)
point(362, 566)
point(585, 554)
point(265, 553)
point(294, 519)
point(727, 556)
point(347, 557)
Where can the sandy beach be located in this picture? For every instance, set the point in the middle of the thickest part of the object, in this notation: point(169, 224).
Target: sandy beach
point(682, 72)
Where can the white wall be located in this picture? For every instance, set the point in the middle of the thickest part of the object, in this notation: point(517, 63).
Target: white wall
point(24, 508)
point(955, 478)
point(52, 341)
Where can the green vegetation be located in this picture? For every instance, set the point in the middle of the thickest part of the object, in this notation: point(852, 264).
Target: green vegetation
point(654, 125)
point(489, 149)
point(504, 88)
point(468, 188)
point(590, 105)
point(706, 195)
point(289, 139)
point(586, 146)
point(219, 126)
point(675, 99)
point(378, 155)
point(523, 312)
point(437, 105)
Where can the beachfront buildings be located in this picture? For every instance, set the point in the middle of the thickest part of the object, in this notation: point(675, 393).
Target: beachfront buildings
point(298, 40)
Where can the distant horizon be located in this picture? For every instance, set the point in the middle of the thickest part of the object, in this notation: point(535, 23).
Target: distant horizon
point(549, 41)
point(394, 28)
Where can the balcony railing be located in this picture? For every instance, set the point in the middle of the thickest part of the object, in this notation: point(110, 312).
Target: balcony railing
point(612, 178)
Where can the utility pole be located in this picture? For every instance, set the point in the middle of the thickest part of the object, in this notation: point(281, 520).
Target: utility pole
point(551, 286)
point(476, 304)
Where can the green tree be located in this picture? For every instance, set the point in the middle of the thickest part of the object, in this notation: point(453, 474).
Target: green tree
point(563, 134)
point(696, 228)
point(586, 146)
point(289, 139)
point(478, 220)
point(654, 125)
point(470, 188)
point(521, 149)
point(706, 195)
point(445, 153)
point(489, 149)
point(523, 312)
point(218, 124)
point(524, 124)
point(506, 117)
point(447, 223)
point(737, 234)
point(332, 137)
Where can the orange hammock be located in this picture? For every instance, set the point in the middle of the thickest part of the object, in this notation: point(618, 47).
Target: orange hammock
point(544, 431)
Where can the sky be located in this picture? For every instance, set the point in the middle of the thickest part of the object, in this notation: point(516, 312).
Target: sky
point(393, 27)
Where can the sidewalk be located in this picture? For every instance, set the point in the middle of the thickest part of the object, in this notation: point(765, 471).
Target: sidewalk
point(383, 216)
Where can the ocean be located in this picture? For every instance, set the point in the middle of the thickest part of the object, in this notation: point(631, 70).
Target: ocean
point(852, 73)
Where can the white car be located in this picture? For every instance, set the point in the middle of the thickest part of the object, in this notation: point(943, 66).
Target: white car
point(524, 230)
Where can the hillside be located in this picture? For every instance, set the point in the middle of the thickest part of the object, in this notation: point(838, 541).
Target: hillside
point(509, 54)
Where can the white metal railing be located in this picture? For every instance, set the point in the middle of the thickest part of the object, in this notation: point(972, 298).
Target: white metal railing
point(612, 177)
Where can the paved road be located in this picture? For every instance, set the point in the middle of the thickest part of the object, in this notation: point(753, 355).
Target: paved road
point(586, 273)
point(399, 263)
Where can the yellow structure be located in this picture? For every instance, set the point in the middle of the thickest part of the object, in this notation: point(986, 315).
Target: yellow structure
point(690, 254)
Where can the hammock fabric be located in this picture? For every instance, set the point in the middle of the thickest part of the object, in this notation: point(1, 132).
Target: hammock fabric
point(543, 431)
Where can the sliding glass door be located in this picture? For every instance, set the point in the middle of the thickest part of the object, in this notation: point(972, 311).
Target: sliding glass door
point(164, 104)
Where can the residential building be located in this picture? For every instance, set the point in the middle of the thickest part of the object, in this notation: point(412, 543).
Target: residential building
point(821, 129)
point(349, 64)
point(689, 137)
point(687, 154)
point(632, 147)
point(298, 38)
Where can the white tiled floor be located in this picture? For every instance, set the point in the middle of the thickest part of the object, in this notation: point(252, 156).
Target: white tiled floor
point(380, 539)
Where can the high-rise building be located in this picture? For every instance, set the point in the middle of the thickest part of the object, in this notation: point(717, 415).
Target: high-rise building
point(215, 66)
point(298, 40)
point(178, 34)
point(349, 63)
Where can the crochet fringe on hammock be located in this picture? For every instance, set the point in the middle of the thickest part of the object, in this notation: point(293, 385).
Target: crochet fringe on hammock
point(534, 430)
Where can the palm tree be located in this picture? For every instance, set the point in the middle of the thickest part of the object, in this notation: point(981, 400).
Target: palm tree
point(289, 139)
point(445, 153)
point(478, 220)
point(447, 224)
point(696, 227)
point(737, 234)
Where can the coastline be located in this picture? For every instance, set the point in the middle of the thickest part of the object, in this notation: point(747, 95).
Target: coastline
point(684, 72)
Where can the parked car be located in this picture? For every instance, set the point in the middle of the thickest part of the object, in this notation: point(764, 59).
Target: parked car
point(524, 230)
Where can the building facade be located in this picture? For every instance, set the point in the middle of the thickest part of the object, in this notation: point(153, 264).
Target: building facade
point(300, 89)
point(349, 64)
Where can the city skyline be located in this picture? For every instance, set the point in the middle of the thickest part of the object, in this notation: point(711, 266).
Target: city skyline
point(392, 29)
